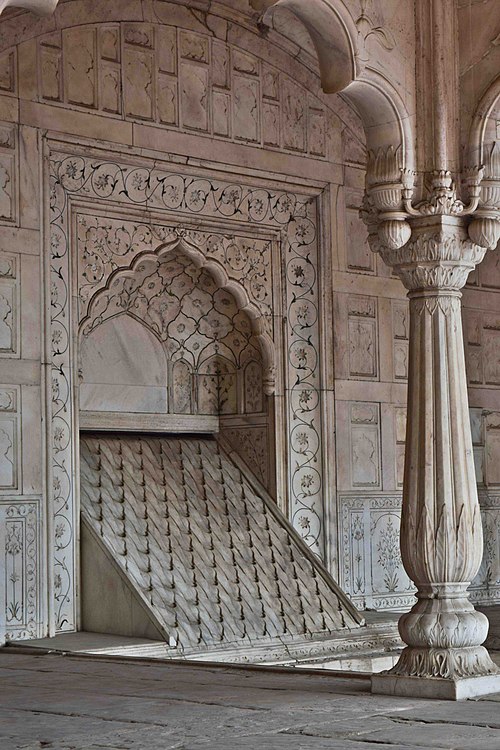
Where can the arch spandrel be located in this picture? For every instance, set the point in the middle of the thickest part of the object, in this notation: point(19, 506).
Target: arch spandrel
point(344, 70)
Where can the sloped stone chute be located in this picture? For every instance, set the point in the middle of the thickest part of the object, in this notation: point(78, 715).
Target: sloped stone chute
point(211, 559)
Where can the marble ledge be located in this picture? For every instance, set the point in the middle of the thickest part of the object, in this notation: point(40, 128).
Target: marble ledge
point(242, 156)
point(353, 282)
point(435, 687)
point(481, 397)
point(373, 390)
point(64, 120)
point(154, 138)
point(21, 371)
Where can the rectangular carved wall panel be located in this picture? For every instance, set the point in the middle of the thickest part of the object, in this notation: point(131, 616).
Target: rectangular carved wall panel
point(9, 439)
point(181, 79)
point(9, 305)
point(371, 568)
point(21, 566)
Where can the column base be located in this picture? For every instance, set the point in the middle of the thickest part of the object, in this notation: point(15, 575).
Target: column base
point(440, 688)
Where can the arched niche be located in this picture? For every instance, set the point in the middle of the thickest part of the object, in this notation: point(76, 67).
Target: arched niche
point(116, 296)
point(164, 339)
point(344, 71)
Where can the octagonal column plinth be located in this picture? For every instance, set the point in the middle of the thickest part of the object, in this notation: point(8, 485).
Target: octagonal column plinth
point(441, 533)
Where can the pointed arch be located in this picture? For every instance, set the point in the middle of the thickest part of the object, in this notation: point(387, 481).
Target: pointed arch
point(97, 307)
point(479, 124)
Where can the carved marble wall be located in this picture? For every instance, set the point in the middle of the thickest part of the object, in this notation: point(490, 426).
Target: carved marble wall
point(221, 95)
point(180, 78)
point(120, 136)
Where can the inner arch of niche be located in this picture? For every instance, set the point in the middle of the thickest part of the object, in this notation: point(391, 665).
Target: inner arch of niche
point(114, 299)
point(213, 341)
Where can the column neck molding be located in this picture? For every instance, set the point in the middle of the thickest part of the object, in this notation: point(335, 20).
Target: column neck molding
point(438, 256)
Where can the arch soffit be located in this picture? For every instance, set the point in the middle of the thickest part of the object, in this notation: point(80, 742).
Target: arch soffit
point(335, 37)
point(480, 121)
point(40, 7)
point(218, 273)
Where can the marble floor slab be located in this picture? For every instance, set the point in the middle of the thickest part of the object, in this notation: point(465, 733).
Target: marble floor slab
point(90, 702)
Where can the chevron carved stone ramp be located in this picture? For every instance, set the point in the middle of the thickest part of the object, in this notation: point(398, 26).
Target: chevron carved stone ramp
point(213, 560)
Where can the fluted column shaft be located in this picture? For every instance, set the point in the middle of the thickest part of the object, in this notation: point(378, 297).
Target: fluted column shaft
point(441, 535)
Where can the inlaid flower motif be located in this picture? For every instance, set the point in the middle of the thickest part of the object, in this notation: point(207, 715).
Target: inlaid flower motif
point(301, 355)
point(304, 523)
point(71, 170)
point(102, 181)
point(58, 438)
point(13, 542)
point(307, 481)
point(305, 397)
point(302, 440)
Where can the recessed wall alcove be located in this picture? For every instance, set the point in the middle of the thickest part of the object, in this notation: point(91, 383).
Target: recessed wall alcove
point(164, 347)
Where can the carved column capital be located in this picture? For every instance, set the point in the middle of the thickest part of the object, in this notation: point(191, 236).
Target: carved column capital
point(438, 256)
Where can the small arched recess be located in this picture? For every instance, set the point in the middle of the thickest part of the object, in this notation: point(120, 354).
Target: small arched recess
point(172, 343)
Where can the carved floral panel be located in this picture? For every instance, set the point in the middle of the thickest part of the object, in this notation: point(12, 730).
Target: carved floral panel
point(21, 567)
point(371, 570)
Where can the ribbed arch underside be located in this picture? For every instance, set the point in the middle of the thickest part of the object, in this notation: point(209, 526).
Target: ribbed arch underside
point(211, 558)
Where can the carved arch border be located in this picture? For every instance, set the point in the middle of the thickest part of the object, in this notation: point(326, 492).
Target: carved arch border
point(223, 281)
point(81, 174)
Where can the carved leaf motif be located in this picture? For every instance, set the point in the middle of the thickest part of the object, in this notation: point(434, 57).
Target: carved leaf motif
point(383, 36)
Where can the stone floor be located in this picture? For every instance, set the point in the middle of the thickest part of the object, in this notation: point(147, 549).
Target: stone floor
point(97, 702)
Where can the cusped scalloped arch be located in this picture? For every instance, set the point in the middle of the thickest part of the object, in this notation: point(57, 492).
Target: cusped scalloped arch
point(343, 70)
point(219, 274)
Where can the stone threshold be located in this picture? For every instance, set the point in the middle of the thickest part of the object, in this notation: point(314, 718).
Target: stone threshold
point(376, 647)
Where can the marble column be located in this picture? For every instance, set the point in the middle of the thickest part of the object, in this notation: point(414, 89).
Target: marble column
point(441, 534)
